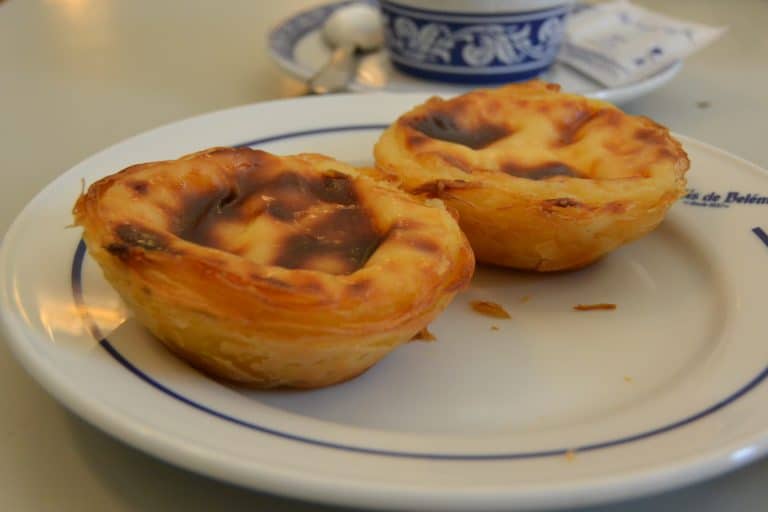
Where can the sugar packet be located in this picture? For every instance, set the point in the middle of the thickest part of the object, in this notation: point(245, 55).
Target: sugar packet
point(618, 42)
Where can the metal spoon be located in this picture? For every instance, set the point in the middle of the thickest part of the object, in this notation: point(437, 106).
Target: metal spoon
point(350, 31)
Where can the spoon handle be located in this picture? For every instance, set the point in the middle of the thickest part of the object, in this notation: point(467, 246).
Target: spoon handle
point(336, 73)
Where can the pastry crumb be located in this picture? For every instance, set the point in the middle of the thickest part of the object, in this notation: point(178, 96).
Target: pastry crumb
point(570, 455)
point(489, 308)
point(424, 335)
point(592, 307)
point(525, 298)
point(627, 378)
point(494, 327)
point(703, 104)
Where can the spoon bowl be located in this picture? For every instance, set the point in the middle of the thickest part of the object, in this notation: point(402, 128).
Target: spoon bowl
point(350, 31)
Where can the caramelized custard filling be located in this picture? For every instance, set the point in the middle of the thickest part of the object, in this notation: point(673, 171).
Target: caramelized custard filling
point(571, 138)
point(540, 172)
point(314, 223)
point(446, 126)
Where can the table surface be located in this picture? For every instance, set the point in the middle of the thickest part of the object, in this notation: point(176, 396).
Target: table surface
point(79, 75)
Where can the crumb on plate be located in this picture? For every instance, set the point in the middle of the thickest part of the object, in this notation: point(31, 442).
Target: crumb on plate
point(489, 308)
point(424, 335)
point(592, 307)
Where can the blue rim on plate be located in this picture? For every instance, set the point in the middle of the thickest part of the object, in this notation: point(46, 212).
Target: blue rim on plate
point(82, 308)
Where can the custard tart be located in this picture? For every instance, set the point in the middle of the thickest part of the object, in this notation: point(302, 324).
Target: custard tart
point(542, 180)
point(269, 271)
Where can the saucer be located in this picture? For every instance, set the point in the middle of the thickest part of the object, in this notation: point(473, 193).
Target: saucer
point(297, 46)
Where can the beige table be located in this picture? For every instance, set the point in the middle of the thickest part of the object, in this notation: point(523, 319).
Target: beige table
point(78, 75)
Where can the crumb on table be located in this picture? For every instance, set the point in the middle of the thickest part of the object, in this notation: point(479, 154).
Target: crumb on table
point(570, 455)
point(627, 378)
point(489, 308)
point(525, 298)
point(592, 307)
point(494, 327)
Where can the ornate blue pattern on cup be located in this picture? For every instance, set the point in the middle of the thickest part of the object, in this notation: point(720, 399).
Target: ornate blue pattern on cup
point(472, 48)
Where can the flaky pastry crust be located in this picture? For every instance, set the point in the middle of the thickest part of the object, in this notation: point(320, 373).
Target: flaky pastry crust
point(273, 271)
point(541, 180)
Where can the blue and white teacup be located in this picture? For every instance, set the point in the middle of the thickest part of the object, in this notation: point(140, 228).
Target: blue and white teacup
point(474, 41)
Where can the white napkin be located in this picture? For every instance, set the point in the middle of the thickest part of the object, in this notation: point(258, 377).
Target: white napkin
point(618, 42)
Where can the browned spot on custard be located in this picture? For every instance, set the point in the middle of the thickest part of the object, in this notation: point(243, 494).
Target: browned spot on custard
point(653, 136)
point(539, 172)
point(445, 124)
point(569, 131)
point(593, 307)
point(133, 239)
point(271, 281)
point(335, 187)
point(615, 207)
point(338, 241)
point(360, 287)
point(437, 187)
point(561, 202)
point(544, 108)
point(346, 236)
point(625, 147)
point(424, 335)
point(610, 117)
point(280, 211)
point(425, 245)
point(666, 153)
point(140, 187)
point(489, 309)
point(310, 284)
point(138, 236)
point(492, 103)
point(120, 251)
point(416, 140)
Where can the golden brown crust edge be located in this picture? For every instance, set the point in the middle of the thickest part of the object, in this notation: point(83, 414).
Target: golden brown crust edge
point(633, 171)
point(266, 326)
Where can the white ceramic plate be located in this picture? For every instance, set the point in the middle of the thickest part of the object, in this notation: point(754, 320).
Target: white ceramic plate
point(555, 408)
point(297, 46)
